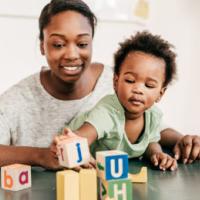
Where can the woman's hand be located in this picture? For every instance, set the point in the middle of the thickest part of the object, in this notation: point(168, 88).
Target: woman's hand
point(187, 148)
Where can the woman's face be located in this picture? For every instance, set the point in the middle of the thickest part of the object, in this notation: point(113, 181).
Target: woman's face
point(67, 45)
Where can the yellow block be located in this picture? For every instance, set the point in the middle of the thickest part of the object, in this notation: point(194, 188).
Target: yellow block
point(67, 185)
point(141, 177)
point(88, 184)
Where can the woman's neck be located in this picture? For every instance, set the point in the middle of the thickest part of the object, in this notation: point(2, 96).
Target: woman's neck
point(65, 91)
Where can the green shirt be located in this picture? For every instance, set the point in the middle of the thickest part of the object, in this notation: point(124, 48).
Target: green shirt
point(109, 121)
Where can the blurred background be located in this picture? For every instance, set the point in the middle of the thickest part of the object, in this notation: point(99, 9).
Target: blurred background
point(178, 21)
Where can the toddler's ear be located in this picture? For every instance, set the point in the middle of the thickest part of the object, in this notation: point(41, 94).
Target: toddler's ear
point(162, 91)
point(115, 81)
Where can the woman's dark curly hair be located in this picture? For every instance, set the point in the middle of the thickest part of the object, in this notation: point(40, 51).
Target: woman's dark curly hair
point(150, 44)
point(57, 6)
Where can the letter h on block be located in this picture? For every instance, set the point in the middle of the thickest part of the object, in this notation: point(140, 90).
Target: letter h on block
point(15, 177)
point(112, 169)
point(73, 152)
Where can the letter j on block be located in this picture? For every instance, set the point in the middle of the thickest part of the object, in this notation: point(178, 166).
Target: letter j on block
point(112, 165)
point(73, 152)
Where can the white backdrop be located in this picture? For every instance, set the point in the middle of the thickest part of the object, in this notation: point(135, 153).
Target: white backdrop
point(177, 21)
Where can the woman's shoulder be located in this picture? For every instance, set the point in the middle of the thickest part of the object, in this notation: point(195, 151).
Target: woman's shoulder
point(20, 89)
point(101, 70)
point(104, 81)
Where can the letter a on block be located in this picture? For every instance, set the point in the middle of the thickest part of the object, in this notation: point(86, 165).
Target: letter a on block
point(23, 177)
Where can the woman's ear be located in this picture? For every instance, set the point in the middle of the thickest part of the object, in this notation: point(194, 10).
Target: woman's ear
point(115, 81)
point(42, 47)
point(162, 91)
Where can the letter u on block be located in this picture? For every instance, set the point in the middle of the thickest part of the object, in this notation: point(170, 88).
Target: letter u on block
point(116, 167)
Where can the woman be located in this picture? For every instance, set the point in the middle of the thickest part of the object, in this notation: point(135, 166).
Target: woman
point(32, 110)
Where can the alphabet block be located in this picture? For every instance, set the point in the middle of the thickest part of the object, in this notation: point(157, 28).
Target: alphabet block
point(116, 189)
point(141, 177)
point(67, 185)
point(15, 177)
point(73, 152)
point(112, 165)
point(88, 184)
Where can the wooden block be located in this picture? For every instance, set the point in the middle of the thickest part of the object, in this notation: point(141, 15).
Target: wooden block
point(67, 185)
point(141, 177)
point(73, 152)
point(116, 189)
point(112, 165)
point(88, 184)
point(16, 177)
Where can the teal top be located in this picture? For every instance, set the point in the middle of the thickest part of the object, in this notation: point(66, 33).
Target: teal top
point(109, 121)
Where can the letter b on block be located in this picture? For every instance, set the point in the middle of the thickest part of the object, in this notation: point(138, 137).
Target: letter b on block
point(112, 165)
point(16, 177)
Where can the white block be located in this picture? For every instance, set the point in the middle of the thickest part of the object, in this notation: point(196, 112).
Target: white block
point(73, 152)
point(15, 177)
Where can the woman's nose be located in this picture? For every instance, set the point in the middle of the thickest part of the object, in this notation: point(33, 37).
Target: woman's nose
point(71, 52)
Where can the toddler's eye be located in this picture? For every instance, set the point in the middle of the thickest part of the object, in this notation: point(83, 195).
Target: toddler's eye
point(150, 86)
point(129, 80)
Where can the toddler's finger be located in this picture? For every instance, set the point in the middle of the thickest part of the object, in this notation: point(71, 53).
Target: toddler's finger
point(163, 163)
point(174, 165)
point(169, 163)
point(154, 160)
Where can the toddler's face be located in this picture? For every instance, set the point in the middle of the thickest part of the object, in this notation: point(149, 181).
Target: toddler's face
point(140, 82)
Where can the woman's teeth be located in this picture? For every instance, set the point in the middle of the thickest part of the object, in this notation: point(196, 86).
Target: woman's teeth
point(72, 68)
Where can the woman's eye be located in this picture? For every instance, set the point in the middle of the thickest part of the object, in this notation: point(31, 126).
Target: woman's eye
point(83, 45)
point(58, 45)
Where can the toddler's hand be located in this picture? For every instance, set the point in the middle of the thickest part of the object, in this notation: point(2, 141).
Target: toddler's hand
point(66, 134)
point(164, 161)
point(90, 165)
point(187, 148)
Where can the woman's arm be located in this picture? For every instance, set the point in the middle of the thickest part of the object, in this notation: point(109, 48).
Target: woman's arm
point(185, 147)
point(169, 137)
point(28, 155)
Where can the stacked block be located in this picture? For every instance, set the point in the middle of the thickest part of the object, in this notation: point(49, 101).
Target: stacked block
point(112, 169)
point(88, 184)
point(73, 185)
point(67, 185)
point(16, 177)
point(73, 152)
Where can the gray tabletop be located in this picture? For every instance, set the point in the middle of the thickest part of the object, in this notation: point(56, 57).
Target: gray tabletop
point(183, 184)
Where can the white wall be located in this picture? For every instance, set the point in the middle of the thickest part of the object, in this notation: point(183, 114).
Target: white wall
point(177, 21)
